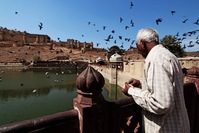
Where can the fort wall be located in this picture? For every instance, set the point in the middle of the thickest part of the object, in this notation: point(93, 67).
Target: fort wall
point(134, 69)
point(14, 38)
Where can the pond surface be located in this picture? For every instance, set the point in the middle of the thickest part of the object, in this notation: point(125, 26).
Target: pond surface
point(27, 95)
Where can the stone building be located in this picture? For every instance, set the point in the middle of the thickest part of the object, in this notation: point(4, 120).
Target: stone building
point(17, 38)
point(74, 44)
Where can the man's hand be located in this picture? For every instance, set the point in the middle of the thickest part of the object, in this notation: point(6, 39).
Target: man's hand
point(126, 88)
point(134, 82)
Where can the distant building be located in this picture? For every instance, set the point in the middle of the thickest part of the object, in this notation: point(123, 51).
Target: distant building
point(16, 38)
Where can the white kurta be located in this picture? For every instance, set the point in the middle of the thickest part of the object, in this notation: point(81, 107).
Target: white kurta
point(161, 96)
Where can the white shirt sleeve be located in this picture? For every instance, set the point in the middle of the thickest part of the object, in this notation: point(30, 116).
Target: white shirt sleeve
point(157, 97)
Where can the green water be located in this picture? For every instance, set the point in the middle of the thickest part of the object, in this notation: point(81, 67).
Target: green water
point(26, 95)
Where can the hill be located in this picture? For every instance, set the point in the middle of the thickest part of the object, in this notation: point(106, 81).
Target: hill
point(27, 53)
point(16, 46)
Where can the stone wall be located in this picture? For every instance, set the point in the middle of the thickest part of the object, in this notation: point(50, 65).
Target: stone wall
point(134, 69)
point(20, 38)
point(7, 64)
point(9, 38)
point(74, 44)
point(189, 62)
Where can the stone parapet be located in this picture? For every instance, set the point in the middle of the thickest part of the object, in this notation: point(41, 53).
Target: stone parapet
point(9, 64)
point(134, 69)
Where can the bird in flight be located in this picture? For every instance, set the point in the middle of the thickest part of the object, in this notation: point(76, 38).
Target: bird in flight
point(131, 5)
point(132, 42)
point(132, 23)
point(40, 26)
point(184, 46)
point(122, 45)
point(126, 27)
point(158, 20)
point(197, 22)
point(121, 19)
point(173, 12)
point(197, 41)
point(190, 44)
point(127, 39)
point(184, 34)
point(108, 39)
point(184, 21)
point(177, 34)
point(16, 12)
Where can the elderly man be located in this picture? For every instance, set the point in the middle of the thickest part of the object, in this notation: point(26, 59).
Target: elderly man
point(160, 93)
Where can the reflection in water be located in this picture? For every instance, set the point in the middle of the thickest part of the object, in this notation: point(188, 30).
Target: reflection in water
point(111, 91)
point(26, 95)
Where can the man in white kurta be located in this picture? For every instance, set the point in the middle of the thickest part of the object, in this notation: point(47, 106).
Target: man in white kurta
point(161, 95)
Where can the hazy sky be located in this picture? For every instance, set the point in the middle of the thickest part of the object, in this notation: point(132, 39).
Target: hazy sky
point(69, 19)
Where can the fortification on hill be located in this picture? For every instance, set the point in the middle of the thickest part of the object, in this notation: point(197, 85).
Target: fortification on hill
point(14, 38)
point(16, 46)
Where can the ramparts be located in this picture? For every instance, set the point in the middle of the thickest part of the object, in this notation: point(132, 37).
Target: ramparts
point(134, 69)
point(14, 38)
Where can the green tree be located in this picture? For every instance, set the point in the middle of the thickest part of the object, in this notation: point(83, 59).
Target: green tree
point(114, 49)
point(36, 58)
point(173, 45)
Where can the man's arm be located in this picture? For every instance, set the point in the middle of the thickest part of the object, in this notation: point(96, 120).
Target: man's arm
point(158, 96)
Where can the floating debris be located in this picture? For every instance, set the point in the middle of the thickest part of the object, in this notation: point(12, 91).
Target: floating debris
point(56, 81)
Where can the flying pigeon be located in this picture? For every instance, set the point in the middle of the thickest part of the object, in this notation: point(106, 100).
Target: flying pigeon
point(40, 26)
point(184, 21)
point(158, 20)
point(172, 12)
point(121, 19)
point(197, 22)
point(131, 5)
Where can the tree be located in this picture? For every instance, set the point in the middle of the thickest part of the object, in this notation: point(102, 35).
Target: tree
point(114, 49)
point(36, 58)
point(172, 44)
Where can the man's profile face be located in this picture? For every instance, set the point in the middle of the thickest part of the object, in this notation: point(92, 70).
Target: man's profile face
point(142, 49)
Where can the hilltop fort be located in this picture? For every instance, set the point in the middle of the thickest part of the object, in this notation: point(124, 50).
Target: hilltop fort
point(16, 46)
point(9, 38)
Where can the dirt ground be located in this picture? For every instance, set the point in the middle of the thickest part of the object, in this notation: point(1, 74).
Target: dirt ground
point(27, 53)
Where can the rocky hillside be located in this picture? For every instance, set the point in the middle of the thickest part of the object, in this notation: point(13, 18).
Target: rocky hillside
point(27, 53)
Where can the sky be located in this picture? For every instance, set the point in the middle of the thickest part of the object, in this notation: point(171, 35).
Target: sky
point(84, 20)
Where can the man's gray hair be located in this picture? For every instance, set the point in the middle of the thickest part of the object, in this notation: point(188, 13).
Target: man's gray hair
point(147, 34)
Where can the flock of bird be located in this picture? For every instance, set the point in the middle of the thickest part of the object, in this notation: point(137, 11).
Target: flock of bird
point(120, 37)
point(47, 75)
point(157, 22)
point(131, 24)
